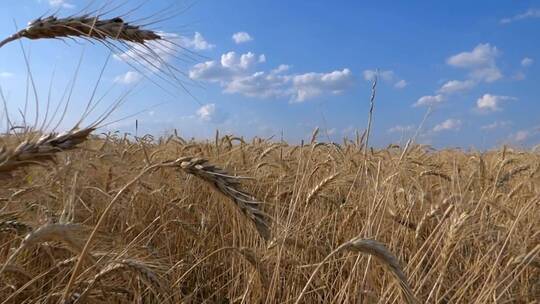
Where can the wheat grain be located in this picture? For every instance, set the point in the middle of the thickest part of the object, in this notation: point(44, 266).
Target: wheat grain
point(42, 149)
point(84, 26)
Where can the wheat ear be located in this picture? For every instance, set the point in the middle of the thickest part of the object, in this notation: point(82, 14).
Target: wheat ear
point(230, 187)
point(318, 188)
point(41, 150)
point(139, 268)
point(90, 27)
point(65, 233)
point(376, 249)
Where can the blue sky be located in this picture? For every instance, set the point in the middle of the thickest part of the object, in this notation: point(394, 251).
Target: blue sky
point(283, 68)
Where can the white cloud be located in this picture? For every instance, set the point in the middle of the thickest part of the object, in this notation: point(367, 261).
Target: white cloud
point(455, 86)
point(244, 62)
point(211, 113)
point(531, 13)
point(261, 85)
point(6, 75)
point(230, 67)
point(488, 74)
point(429, 100)
point(369, 75)
point(527, 62)
point(401, 84)
point(280, 69)
point(491, 103)
point(130, 77)
point(331, 131)
point(480, 61)
point(196, 43)
point(235, 74)
point(496, 125)
point(521, 136)
point(310, 85)
point(61, 3)
point(241, 37)
point(401, 129)
point(448, 125)
point(481, 55)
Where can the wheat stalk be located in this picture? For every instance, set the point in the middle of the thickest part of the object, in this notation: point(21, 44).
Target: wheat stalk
point(89, 27)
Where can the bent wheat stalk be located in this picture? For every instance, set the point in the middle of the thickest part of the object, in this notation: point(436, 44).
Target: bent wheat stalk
point(230, 187)
point(376, 249)
point(84, 26)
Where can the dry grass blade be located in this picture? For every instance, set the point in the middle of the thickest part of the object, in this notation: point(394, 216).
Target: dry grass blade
point(230, 187)
point(84, 26)
point(43, 149)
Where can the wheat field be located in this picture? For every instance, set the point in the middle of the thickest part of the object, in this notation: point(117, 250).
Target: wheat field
point(119, 219)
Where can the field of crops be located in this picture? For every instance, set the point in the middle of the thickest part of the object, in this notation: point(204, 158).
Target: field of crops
point(118, 219)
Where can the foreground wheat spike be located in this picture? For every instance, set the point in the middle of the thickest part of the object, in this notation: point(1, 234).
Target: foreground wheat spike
point(376, 249)
point(43, 149)
point(230, 187)
point(139, 268)
point(68, 234)
point(90, 27)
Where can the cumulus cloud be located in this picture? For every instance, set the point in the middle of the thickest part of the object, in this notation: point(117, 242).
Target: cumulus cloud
point(496, 125)
point(211, 113)
point(527, 62)
point(369, 75)
point(481, 65)
point(197, 42)
point(61, 3)
point(530, 13)
point(130, 77)
point(526, 135)
point(310, 85)
point(429, 100)
point(280, 69)
point(448, 125)
point(231, 66)
point(6, 75)
point(235, 73)
point(480, 62)
point(260, 85)
point(241, 37)
point(491, 103)
point(455, 86)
